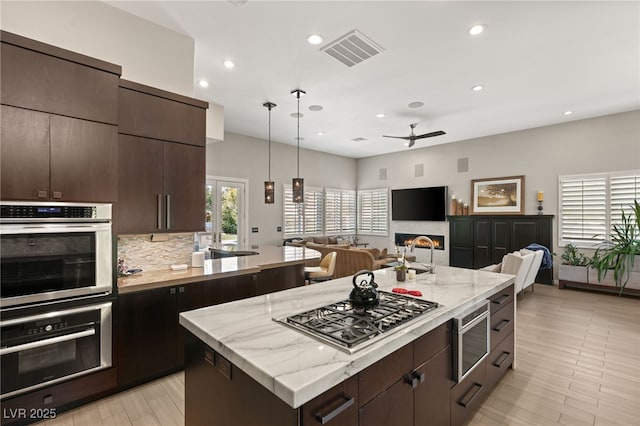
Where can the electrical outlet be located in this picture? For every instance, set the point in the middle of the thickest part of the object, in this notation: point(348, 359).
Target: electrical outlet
point(279, 229)
point(254, 229)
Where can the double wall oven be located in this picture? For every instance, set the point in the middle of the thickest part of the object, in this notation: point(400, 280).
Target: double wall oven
point(56, 288)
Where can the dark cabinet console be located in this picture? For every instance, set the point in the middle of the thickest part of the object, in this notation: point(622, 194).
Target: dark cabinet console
point(478, 241)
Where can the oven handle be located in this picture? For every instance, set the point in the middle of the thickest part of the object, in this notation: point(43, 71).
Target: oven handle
point(475, 321)
point(45, 342)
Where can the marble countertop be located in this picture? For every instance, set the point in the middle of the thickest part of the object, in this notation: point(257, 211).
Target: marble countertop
point(296, 367)
point(268, 257)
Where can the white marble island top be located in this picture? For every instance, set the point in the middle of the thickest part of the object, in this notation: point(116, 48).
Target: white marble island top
point(268, 257)
point(296, 367)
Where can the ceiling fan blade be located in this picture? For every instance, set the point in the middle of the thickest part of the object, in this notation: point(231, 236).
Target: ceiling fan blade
point(397, 137)
point(430, 135)
point(412, 143)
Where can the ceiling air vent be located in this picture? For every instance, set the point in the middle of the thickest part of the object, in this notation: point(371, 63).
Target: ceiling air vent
point(352, 48)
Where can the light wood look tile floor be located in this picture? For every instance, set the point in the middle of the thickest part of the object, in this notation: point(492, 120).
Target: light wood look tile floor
point(578, 364)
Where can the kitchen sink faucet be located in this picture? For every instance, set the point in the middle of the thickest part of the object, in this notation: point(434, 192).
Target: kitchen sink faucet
point(430, 267)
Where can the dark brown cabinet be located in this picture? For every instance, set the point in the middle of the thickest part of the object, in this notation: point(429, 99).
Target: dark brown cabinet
point(50, 157)
point(162, 159)
point(150, 338)
point(478, 241)
point(59, 123)
point(41, 77)
point(161, 186)
point(157, 114)
point(410, 386)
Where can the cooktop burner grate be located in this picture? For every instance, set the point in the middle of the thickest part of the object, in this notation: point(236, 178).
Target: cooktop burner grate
point(339, 324)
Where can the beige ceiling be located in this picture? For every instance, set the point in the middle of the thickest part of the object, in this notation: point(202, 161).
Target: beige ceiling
point(535, 61)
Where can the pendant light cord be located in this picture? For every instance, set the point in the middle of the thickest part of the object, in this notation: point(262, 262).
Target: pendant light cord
point(298, 134)
point(269, 144)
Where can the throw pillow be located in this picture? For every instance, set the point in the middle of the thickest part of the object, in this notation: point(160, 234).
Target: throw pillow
point(321, 240)
point(332, 240)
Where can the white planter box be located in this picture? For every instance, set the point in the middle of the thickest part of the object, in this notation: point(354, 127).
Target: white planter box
point(577, 274)
point(606, 280)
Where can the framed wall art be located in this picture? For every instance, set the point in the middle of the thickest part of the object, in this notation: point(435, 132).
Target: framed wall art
point(503, 195)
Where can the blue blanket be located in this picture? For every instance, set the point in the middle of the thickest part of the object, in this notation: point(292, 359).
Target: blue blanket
point(547, 259)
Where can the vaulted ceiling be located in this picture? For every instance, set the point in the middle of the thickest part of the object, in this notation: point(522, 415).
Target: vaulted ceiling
point(535, 60)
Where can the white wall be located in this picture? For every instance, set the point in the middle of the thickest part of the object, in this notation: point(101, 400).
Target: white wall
point(541, 154)
point(148, 53)
point(244, 157)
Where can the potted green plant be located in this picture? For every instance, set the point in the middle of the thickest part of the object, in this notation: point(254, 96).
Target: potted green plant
point(618, 255)
point(401, 271)
point(574, 265)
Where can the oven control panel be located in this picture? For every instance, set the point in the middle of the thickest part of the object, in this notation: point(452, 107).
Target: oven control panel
point(47, 328)
point(46, 211)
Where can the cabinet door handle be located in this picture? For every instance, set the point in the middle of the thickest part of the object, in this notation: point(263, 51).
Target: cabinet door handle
point(323, 419)
point(501, 360)
point(168, 201)
point(159, 198)
point(502, 324)
point(468, 398)
point(208, 357)
point(415, 378)
point(500, 300)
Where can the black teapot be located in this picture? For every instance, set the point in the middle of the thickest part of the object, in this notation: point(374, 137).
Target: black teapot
point(364, 294)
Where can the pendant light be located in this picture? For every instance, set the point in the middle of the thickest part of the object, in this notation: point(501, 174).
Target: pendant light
point(298, 182)
point(269, 185)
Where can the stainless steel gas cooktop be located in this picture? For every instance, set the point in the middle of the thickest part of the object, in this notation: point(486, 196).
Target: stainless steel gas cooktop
point(339, 325)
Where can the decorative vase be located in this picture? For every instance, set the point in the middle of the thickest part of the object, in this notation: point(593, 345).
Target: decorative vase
point(401, 275)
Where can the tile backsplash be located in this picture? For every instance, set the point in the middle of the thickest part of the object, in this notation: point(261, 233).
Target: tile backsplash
point(140, 252)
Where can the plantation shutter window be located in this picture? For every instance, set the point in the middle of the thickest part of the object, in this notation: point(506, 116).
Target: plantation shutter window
point(339, 211)
point(591, 205)
point(373, 211)
point(302, 218)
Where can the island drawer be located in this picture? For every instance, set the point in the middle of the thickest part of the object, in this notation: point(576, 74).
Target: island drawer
point(337, 407)
point(427, 346)
point(468, 395)
point(501, 325)
point(501, 299)
point(373, 380)
point(499, 360)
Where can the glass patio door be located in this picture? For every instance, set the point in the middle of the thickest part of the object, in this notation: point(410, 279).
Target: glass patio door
point(225, 213)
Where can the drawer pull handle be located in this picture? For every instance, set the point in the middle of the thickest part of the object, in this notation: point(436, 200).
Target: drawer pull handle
point(326, 418)
point(500, 300)
point(501, 360)
point(467, 400)
point(502, 324)
point(415, 378)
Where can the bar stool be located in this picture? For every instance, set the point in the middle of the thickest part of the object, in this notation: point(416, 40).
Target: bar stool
point(322, 272)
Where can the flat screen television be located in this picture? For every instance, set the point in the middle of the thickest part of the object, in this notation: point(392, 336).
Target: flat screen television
point(419, 203)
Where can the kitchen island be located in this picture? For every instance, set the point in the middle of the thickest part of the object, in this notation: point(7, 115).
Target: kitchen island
point(238, 356)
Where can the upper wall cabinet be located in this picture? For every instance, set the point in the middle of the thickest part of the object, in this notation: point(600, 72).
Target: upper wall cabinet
point(161, 167)
point(59, 124)
point(45, 78)
point(153, 113)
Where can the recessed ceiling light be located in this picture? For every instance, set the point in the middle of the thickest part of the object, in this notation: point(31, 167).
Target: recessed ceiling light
point(316, 107)
point(203, 83)
point(315, 39)
point(229, 64)
point(477, 88)
point(416, 104)
point(381, 115)
point(406, 144)
point(568, 112)
point(319, 133)
point(297, 114)
point(477, 29)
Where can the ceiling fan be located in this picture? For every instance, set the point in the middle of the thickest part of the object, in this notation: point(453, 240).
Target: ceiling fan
point(413, 137)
